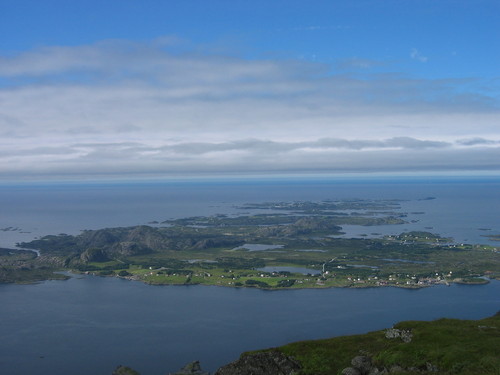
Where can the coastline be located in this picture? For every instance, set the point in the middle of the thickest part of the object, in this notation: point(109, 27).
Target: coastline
point(483, 281)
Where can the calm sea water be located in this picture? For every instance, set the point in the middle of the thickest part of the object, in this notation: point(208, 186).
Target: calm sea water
point(91, 324)
point(463, 206)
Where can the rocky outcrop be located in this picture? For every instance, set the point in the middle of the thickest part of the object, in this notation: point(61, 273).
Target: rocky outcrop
point(122, 241)
point(362, 365)
point(193, 368)
point(403, 334)
point(128, 248)
point(94, 255)
point(124, 370)
point(97, 238)
point(111, 243)
point(302, 226)
point(263, 363)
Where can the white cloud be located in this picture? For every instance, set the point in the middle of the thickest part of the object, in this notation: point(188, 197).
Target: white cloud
point(478, 142)
point(123, 107)
point(359, 63)
point(416, 55)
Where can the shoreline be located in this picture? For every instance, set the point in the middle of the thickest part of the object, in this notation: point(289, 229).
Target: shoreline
point(240, 250)
point(485, 281)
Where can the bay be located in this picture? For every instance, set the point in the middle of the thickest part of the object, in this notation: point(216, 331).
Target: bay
point(89, 325)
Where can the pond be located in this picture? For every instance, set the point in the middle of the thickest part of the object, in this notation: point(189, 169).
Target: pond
point(258, 247)
point(301, 270)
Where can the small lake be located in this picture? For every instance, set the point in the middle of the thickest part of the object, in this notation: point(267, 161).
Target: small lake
point(363, 266)
point(258, 247)
point(301, 270)
point(311, 251)
point(89, 325)
point(406, 261)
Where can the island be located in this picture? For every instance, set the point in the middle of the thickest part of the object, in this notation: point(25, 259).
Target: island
point(269, 245)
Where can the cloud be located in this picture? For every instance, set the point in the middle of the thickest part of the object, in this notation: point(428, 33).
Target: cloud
point(102, 56)
point(416, 55)
point(157, 107)
point(250, 156)
point(358, 63)
point(477, 142)
point(322, 144)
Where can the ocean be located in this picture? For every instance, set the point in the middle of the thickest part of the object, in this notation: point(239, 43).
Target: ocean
point(92, 324)
point(464, 208)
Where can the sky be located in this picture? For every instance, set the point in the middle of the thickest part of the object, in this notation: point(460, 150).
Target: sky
point(149, 88)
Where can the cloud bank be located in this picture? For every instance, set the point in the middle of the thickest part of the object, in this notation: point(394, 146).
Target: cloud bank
point(159, 108)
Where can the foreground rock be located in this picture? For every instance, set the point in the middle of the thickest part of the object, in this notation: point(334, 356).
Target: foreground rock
point(264, 363)
point(362, 365)
point(405, 335)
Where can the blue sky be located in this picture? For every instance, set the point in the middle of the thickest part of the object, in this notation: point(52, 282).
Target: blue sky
point(92, 89)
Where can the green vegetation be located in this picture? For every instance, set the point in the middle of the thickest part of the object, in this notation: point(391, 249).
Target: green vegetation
point(20, 266)
point(124, 370)
point(451, 346)
point(209, 251)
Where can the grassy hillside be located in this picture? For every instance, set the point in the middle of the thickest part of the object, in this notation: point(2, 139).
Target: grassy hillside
point(451, 346)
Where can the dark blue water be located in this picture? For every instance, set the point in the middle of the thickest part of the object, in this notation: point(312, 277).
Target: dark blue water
point(90, 325)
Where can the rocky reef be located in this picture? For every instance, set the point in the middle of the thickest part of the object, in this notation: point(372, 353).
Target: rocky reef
point(193, 368)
